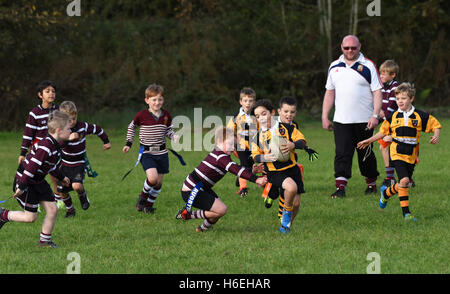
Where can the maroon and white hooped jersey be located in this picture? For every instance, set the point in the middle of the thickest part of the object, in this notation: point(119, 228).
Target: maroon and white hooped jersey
point(73, 151)
point(153, 131)
point(35, 127)
point(214, 167)
point(44, 158)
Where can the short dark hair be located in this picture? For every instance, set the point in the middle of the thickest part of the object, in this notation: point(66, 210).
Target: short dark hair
point(288, 100)
point(266, 103)
point(44, 84)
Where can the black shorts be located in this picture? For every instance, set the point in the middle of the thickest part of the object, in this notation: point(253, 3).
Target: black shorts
point(245, 157)
point(403, 169)
point(30, 199)
point(204, 199)
point(160, 162)
point(75, 174)
point(277, 178)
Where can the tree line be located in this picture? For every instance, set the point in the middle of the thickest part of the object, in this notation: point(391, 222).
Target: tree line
point(204, 51)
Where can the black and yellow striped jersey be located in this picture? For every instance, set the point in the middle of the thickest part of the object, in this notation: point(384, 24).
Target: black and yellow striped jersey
point(405, 130)
point(245, 126)
point(260, 144)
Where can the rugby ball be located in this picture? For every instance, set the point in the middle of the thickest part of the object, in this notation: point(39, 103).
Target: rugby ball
point(274, 145)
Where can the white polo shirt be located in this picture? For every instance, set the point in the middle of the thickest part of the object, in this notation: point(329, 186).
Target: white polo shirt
point(353, 87)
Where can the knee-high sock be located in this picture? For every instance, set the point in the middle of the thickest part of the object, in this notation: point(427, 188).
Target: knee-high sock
point(404, 199)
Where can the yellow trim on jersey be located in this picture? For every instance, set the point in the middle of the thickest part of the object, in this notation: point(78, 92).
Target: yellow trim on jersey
point(243, 130)
point(406, 137)
point(260, 145)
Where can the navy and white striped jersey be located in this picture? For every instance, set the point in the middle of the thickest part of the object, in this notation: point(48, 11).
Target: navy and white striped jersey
point(44, 158)
point(73, 151)
point(214, 167)
point(35, 127)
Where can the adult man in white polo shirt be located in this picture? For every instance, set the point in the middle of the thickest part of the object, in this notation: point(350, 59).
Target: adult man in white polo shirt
point(354, 88)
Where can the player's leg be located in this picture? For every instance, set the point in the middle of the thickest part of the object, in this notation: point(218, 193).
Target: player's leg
point(82, 195)
point(51, 211)
point(217, 210)
point(390, 172)
point(290, 190)
point(154, 180)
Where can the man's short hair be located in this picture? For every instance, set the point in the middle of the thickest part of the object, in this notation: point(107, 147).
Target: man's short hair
point(390, 66)
point(407, 88)
point(57, 119)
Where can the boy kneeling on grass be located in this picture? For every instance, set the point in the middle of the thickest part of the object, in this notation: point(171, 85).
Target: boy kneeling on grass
point(404, 127)
point(211, 170)
point(31, 189)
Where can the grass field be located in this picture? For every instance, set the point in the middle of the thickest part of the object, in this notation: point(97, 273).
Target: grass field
point(328, 236)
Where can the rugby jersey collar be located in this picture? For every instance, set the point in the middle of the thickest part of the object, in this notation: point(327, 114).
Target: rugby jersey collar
point(247, 115)
point(360, 59)
point(406, 115)
point(57, 146)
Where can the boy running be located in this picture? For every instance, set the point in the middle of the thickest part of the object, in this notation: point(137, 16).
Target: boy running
point(30, 188)
point(155, 125)
point(404, 126)
point(245, 126)
point(73, 157)
point(210, 171)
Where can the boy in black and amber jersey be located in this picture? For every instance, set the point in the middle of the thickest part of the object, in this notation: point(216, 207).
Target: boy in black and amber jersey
point(404, 126)
point(244, 126)
point(285, 175)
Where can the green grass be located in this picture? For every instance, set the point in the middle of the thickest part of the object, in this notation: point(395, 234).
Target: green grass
point(328, 236)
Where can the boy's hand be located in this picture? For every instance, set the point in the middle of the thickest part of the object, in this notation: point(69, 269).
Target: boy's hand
point(382, 115)
point(21, 158)
point(74, 136)
point(125, 149)
point(434, 139)
point(107, 146)
point(363, 144)
point(269, 157)
point(261, 181)
point(17, 193)
point(387, 138)
point(258, 168)
point(311, 153)
point(289, 146)
point(176, 138)
point(66, 181)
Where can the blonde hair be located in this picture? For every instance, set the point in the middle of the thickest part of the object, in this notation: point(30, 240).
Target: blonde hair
point(153, 90)
point(407, 88)
point(246, 91)
point(57, 119)
point(389, 66)
point(222, 134)
point(68, 107)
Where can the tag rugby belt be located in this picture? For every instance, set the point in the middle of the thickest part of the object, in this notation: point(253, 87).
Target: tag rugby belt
point(154, 147)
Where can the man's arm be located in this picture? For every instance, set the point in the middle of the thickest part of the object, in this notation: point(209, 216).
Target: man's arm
point(328, 103)
point(377, 102)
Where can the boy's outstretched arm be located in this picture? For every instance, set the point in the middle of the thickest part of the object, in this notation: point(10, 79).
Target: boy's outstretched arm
point(367, 142)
